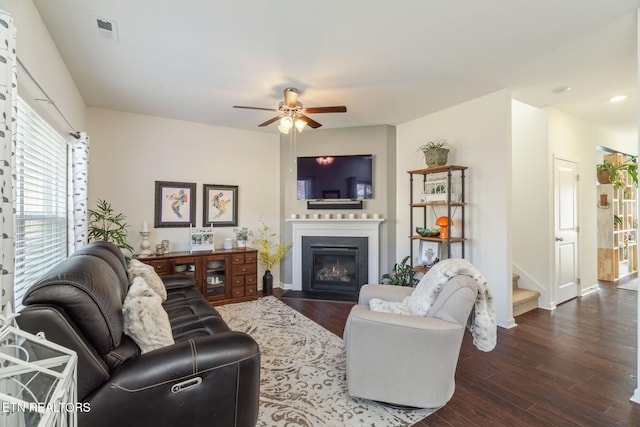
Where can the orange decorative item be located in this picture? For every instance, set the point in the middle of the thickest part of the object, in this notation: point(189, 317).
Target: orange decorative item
point(444, 222)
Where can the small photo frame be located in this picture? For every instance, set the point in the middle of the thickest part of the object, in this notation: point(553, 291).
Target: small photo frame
point(175, 204)
point(220, 203)
point(429, 253)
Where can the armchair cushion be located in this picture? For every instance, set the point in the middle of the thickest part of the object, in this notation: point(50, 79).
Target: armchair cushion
point(145, 321)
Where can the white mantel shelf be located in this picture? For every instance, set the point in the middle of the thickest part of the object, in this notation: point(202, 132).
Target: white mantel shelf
point(341, 227)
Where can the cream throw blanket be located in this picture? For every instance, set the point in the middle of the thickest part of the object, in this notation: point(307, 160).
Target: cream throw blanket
point(482, 321)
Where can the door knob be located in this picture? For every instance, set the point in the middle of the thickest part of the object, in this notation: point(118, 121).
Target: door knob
point(559, 239)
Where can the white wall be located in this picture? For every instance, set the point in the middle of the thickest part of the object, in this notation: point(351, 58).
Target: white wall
point(532, 229)
point(129, 152)
point(37, 52)
point(479, 132)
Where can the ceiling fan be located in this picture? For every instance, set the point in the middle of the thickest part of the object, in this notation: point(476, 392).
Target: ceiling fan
point(291, 112)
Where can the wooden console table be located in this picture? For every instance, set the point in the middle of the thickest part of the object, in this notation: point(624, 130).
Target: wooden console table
point(225, 275)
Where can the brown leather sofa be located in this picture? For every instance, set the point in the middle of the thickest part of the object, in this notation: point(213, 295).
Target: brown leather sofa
point(210, 376)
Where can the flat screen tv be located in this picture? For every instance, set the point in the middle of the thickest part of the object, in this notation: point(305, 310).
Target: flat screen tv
point(335, 177)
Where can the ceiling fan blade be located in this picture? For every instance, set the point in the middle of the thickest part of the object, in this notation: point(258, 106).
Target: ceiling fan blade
point(336, 109)
point(309, 121)
point(255, 108)
point(268, 122)
point(291, 97)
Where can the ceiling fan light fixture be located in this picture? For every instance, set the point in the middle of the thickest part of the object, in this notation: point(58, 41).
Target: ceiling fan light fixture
point(286, 122)
point(300, 124)
point(618, 98)
point(283, 129)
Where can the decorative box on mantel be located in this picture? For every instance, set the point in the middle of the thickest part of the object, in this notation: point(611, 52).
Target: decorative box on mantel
point(37, 381)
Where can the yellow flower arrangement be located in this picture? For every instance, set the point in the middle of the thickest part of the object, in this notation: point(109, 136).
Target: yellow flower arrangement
point(270, 252)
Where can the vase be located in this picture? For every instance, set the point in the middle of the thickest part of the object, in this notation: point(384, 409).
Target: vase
point(267, 283)
point(436, 156)
point(242, 244)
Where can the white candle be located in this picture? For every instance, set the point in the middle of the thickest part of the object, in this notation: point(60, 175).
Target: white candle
point(145, 227)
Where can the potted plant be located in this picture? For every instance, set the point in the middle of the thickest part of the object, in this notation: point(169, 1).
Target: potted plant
point(270, 252)
point(242, 235)
point(400, 274)
point(435, 152)
point(105, 224)
point(608, 173)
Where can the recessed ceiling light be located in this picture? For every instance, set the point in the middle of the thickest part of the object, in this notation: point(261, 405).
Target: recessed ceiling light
point(618, 98)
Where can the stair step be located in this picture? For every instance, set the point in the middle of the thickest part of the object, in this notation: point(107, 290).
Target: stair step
point(524, 300)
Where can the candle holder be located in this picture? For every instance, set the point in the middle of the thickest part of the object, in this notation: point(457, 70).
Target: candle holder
point(145, 245)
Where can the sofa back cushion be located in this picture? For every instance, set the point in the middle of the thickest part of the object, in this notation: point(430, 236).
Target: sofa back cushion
point(109, 253)
point(89, 291)
point(456, 300)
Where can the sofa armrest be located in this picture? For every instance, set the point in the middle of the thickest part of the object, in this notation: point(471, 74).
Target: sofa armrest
point(384, 292)
point(177, 281)
point(191, 383)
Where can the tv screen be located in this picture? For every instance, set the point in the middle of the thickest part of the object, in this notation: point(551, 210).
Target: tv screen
point(335, 177)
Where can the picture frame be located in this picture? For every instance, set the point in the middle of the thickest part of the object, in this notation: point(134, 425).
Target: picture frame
point(175, 204)
point(220, 205)
point(429, 253)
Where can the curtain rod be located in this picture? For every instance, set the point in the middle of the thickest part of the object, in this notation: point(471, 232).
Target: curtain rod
point(74, 133)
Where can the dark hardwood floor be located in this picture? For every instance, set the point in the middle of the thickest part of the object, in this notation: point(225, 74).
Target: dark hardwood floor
point(574, 366)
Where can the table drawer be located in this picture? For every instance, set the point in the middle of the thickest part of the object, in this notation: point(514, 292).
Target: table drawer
point(251, 290)
point(245, 269)
point(237, 259)
point(237, 291)
point(251, 279)
point(237, 280)
point(160, 267)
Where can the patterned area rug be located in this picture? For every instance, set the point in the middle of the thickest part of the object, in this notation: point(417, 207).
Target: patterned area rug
point(303, 380)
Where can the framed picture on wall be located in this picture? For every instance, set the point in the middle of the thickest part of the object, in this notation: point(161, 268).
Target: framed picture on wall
point(220, 203)
point(429, 253)
point(175, 204)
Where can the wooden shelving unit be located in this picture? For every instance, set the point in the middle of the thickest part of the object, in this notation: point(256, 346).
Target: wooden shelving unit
point(617, 227)
point(441, 194)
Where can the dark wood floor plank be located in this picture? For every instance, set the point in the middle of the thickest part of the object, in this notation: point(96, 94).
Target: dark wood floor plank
point(574, 366)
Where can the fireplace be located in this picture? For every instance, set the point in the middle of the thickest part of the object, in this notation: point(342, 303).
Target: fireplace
point(334, 264)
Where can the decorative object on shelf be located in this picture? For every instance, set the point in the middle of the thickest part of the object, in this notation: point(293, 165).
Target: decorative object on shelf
point(270, 252)
point(220, 205)
point(175, 204)
point(609, 172)
point(144, 244)
point(400, 274)
point(428, 232)
point(429, 253)
point(604, 201)
point(201, 239)
point(227, 244)
point(105, 224)
point(242, 235)
point(444, 223)
point(435, 152)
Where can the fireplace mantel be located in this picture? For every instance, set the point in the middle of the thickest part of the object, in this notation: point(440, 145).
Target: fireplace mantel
point(353, 227)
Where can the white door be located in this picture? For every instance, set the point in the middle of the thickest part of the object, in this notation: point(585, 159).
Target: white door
point(566, 229)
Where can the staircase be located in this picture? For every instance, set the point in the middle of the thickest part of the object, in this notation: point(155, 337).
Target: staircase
point(523, 299)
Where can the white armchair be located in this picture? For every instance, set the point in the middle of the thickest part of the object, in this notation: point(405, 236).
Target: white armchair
point(407, 360)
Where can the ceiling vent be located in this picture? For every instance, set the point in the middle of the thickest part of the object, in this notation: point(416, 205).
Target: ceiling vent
point(106, 28)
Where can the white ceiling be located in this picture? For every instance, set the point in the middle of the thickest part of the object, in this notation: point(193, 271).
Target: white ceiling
point(387, 61)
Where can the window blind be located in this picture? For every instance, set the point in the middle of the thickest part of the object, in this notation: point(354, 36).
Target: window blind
point(41, 199)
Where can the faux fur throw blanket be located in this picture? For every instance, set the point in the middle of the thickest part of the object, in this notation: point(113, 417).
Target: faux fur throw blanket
point(482, 321)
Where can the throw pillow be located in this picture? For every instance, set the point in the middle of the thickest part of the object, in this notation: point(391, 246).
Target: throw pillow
point(139, 269)
point(145, 320)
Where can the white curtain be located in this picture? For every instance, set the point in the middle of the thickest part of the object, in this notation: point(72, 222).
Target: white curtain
point(8, 109)
point(78, 183)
